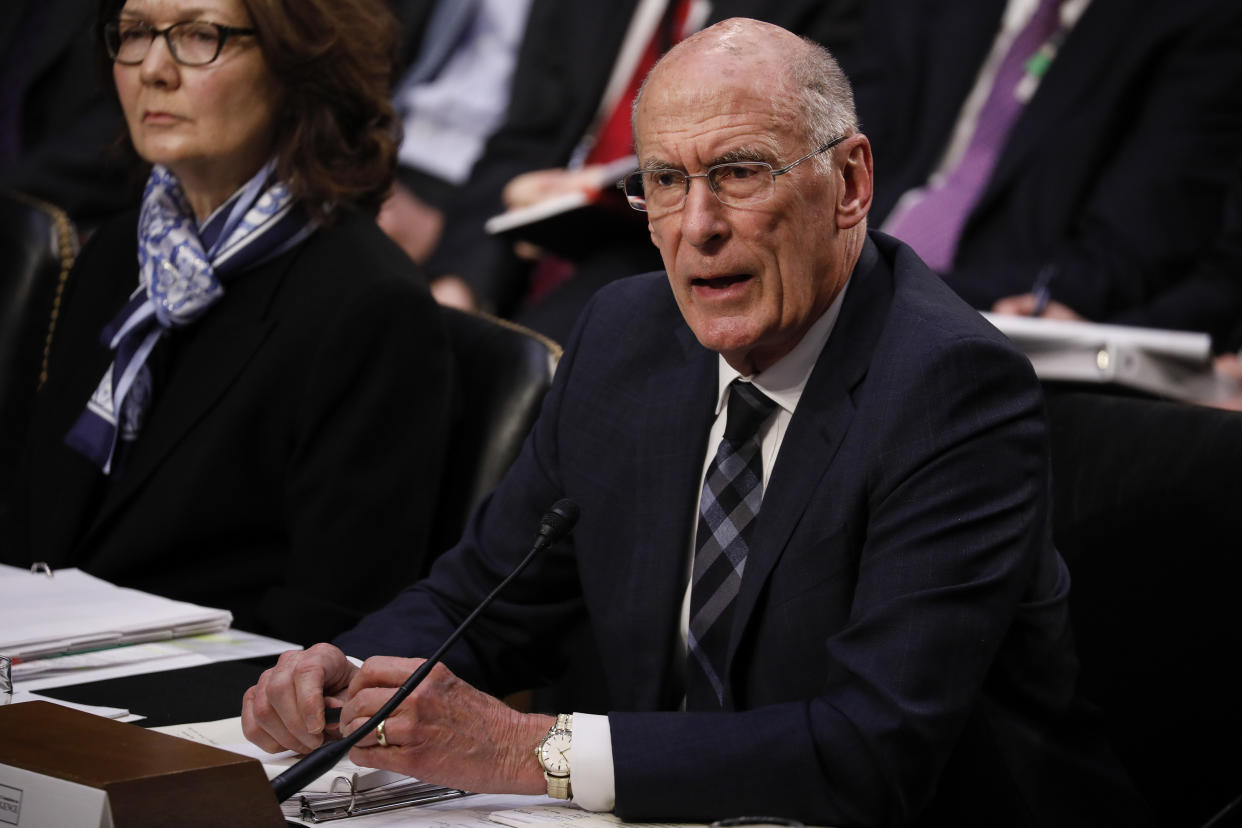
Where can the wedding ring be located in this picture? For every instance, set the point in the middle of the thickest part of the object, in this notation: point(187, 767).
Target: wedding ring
point(379, 733)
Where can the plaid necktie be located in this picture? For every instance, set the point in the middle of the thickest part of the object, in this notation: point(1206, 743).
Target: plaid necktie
point(732, 492)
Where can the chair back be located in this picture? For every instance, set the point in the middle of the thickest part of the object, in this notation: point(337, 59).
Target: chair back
point(505, 370)
point(1145, 494)
point(38, 244)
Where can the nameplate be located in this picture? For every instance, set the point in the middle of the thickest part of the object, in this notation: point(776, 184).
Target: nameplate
point(60, 766)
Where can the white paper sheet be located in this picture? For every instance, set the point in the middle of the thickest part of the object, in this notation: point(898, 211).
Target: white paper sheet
point(70, 611)
point(136, 659)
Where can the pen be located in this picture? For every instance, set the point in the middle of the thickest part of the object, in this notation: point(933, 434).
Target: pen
point(332, 715)
point(1042, 289)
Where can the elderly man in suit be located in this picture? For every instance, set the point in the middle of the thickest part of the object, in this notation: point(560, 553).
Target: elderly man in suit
point(813, 548)
point(573, 74)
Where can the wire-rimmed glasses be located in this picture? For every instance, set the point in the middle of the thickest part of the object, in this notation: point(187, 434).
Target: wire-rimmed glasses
point(190, 42)
point(736, 183)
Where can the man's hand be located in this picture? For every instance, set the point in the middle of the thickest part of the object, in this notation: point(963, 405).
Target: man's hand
point(284, 711)
point(533, 187)
point(446, 732)
point(1026, 304)
point(454, 292)
point(411, 222)
point(1228, 369)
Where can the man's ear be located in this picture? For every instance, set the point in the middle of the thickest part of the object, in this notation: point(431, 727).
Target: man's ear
point(854, 199)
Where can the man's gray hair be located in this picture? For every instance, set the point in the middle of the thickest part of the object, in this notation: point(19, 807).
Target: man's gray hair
point(825, 99)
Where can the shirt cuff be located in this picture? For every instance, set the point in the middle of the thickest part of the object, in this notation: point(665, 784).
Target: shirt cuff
point(591, 774)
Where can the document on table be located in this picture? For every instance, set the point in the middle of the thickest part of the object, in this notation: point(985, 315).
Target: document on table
point(348, 790)
point(450, 808)
point(227, 735)
point(69, 611)
point(135, 659)
point(566, 816)
point(120, 714)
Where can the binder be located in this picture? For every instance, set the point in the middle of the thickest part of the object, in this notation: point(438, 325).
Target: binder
point(573, 224)
point(68, 611)
point(1176, 365)
point(349, 802)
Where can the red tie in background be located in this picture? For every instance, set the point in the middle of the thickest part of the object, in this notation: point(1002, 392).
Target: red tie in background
point(614, 139)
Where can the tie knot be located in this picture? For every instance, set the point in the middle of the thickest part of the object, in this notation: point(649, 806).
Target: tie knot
point(748, 408)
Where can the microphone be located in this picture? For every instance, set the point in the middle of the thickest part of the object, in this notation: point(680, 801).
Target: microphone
point(555, 524)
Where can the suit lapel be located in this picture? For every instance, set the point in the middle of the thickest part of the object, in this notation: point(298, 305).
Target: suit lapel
point(817, 430)
point(957, 39)
point(674, 423)
point(215, 351)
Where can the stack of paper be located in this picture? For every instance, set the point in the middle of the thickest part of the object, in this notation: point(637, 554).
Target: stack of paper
point(69, 611)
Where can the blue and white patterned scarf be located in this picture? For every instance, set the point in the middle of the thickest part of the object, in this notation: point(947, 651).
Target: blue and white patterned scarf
point(181, 269)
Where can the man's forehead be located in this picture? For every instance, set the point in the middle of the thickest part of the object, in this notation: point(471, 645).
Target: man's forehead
point(710, 66)
point(714, 120)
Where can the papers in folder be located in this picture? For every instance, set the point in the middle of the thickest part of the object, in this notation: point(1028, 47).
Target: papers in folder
point(1172, 364)
point(69, 611)
point(347, 790)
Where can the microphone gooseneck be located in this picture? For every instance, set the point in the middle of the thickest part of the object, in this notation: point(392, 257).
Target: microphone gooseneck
point(556, 524)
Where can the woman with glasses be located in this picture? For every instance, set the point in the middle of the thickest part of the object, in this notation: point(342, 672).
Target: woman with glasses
point(249, 387)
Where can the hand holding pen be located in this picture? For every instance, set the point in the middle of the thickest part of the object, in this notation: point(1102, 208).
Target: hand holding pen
point(1042, 289)
point(1037, 302)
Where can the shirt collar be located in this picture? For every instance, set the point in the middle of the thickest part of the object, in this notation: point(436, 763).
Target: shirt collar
point(784, 380)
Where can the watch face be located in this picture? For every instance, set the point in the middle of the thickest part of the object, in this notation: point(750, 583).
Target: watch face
point(554, 753)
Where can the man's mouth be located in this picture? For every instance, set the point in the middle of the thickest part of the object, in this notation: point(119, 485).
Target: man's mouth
point(720, 282)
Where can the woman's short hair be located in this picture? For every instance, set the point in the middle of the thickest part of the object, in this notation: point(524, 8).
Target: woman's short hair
point(337, 132)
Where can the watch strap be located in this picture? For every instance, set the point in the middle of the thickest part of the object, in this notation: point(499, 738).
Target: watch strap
point(558, 786)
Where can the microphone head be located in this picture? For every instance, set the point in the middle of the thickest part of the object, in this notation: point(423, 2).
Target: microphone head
point(559, 520)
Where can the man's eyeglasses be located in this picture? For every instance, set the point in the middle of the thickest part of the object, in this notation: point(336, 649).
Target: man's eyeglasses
point(737, 184)
point(191, 42)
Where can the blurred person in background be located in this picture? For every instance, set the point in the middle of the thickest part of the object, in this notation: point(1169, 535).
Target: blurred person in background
point(1063, 157)
point(451, 95)
point(58, 123)
point(250, 385)
point(578, 70)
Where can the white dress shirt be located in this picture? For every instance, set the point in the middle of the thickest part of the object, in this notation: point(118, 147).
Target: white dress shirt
point(449, 118)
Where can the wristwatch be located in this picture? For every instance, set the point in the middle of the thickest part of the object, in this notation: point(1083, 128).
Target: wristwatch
point(553, 756)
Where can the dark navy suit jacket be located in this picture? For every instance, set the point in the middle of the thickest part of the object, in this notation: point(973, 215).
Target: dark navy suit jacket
point(901, 635)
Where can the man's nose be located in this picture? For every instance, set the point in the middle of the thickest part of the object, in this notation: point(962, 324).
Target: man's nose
point(703, 216)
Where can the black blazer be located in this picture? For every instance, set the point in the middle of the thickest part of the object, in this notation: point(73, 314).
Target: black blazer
point(288, 467)
point(900, 648)
point(1115, 171)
